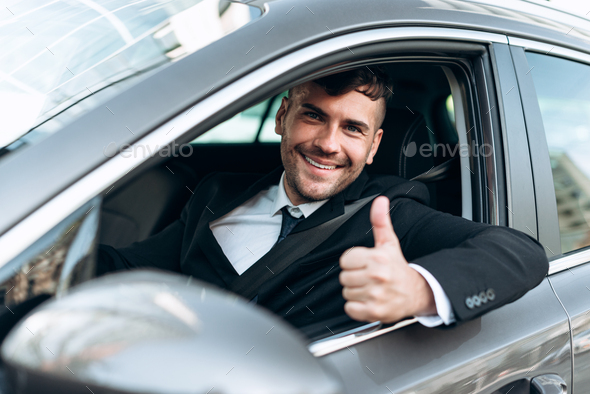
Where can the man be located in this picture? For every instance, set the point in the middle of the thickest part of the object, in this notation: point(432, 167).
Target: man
point(330, 130)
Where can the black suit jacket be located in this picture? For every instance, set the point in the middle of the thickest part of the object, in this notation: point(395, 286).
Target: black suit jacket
point(467, 258)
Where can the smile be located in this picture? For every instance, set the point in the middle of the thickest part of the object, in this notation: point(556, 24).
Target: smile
point(318, 165)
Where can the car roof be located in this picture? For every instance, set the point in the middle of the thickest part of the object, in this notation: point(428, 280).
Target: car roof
point(521, 18)
point(34, 175)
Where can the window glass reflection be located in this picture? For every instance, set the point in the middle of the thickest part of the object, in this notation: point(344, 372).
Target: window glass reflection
point(563, 90)
point(60, 59)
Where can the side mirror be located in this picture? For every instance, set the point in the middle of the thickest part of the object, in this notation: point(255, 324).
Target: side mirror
point(150, 331)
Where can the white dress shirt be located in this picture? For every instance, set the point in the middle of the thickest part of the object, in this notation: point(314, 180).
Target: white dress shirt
point(249, 231)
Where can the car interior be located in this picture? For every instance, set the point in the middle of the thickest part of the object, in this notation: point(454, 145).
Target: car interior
point(420, 115)
point(420, 112)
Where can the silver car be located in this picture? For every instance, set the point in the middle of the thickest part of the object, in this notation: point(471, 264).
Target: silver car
point(112, 112)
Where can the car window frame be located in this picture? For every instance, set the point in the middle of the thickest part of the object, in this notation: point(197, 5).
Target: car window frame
point(544, 188)
point(248, 90)
point(517, 187)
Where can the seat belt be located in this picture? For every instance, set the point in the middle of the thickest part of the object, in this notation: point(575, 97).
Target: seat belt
point(438, 173)
point(291, 249)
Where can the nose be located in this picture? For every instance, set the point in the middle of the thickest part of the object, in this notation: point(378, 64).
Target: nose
point(327, 139)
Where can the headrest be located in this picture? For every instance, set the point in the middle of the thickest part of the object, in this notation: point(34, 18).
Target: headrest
point(404, 134)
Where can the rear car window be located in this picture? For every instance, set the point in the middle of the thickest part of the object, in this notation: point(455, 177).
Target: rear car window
point(563, 91)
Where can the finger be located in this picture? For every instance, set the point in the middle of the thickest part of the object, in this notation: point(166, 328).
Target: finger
point(358, 311)
point(360, 294)
point(354, 278)
point(381, 221)
point(354, 258)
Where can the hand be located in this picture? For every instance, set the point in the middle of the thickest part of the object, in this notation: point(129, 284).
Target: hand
point(378, 282)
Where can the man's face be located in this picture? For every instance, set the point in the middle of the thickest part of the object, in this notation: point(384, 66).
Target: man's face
point(326, 140)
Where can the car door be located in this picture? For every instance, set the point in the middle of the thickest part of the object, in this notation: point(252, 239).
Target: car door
point(502, 350)
point(556, 99)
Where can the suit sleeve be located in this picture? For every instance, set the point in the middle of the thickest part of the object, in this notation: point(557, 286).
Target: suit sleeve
point(161, 251)
point(469, 258)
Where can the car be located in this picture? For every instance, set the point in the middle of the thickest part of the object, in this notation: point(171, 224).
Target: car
point(490, 109)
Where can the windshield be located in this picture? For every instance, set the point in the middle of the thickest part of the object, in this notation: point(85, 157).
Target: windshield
point(61, 58)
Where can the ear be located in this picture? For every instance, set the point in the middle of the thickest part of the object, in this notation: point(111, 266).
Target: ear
point(374, 145)
point(280, 116)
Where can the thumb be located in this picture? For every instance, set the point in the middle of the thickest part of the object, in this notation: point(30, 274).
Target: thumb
point(381, 221)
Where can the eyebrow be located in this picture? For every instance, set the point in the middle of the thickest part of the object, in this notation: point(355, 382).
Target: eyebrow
point(322, 113)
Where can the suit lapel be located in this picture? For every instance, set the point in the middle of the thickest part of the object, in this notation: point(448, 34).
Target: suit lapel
point(264, 182)
point(205, 237)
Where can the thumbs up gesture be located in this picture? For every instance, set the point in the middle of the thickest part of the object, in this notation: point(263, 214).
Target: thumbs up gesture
point(378, 282)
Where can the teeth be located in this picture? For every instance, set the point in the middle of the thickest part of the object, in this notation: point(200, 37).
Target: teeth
point(318, 165)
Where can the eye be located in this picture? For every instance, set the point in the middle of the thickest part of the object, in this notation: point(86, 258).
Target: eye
point(312, 115)
point(353, 129)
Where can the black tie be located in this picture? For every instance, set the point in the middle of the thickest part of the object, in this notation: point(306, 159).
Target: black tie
point(289, 223)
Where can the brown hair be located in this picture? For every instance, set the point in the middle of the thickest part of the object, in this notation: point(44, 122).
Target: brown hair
point(373, 80)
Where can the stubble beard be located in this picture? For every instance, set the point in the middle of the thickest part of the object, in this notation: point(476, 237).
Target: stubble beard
point(293, 177)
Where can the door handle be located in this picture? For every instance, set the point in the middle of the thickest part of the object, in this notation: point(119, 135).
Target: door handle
point(548, 384)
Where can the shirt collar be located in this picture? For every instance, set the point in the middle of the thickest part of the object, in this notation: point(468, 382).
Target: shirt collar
point(282, 200)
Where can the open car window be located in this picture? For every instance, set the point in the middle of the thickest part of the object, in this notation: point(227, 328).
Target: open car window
point(420, 135)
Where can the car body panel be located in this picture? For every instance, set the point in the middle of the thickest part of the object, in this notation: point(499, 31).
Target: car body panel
point(519, 183)
point(521, 340)
point(548, 225)
point(572, 288)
